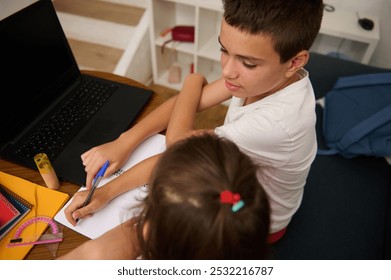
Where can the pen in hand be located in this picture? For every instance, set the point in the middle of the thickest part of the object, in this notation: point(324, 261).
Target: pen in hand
point(95, 184)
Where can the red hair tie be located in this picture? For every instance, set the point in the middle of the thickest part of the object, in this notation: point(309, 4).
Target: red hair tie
point(229, 197)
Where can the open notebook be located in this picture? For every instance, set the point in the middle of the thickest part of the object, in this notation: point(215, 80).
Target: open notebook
point(119, 209)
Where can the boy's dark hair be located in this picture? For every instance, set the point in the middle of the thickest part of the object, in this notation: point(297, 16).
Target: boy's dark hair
point(183, 213)
point(291, 24)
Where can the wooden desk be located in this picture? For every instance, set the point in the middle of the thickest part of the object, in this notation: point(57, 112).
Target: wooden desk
point(71, 238)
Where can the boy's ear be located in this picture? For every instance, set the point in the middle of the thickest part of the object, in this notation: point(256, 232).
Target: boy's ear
point(297, 62)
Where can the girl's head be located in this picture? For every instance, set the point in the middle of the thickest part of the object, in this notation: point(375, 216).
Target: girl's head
point(184, 217)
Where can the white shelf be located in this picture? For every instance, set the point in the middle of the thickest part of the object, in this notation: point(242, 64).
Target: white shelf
point(210, 50)
point(178, 46)
point(340, 32)
point(203, 55)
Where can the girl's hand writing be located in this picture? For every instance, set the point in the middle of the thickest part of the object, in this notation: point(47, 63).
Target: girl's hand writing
point(98, 201)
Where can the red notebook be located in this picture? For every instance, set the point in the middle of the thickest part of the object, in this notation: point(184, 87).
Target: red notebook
point(22, 205)
point(8, 212)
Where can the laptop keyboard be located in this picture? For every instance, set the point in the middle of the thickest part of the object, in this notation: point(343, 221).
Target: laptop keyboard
point(58, 131)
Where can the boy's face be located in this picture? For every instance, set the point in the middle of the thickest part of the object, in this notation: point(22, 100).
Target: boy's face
point(250, 65)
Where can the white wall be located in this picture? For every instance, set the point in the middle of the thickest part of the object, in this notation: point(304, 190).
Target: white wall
point(381, 9)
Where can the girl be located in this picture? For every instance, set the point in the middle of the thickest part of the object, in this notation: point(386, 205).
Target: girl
point(204, 202)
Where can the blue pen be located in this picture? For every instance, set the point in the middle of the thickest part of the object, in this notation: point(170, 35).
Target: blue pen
point(95, 183)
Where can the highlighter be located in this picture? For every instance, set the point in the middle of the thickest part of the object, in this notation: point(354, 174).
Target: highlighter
point(47, 172)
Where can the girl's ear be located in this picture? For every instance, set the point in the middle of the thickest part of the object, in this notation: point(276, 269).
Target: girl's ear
point(297, 62)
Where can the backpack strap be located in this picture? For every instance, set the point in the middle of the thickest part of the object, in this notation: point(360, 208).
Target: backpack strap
point(360, 130)
point(363, 80)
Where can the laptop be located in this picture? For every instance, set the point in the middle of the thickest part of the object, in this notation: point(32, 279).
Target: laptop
point(49, 106)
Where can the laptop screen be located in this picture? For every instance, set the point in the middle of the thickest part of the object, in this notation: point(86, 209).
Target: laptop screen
point(37, 62)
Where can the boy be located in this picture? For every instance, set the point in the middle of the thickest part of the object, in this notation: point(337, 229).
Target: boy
point(264, 47)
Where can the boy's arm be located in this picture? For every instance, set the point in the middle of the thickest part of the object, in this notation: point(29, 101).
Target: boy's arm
point(155, 122)
point(158, 120)
point(186, 106)
point(119, 150)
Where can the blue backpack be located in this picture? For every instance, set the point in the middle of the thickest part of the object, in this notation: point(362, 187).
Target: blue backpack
point(357, 116)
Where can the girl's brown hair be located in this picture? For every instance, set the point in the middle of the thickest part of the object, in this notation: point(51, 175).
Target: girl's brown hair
point(183, 214)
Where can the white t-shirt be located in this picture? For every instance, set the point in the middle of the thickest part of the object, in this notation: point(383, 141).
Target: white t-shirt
point(278, 133)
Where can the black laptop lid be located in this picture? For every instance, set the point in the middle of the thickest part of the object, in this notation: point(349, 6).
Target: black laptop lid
point(35, 53)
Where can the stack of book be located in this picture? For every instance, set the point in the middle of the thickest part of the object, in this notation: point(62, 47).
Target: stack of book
point(13, 209)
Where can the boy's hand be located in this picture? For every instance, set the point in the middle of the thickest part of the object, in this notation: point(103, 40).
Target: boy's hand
point(115, 152)
point(194, 77)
